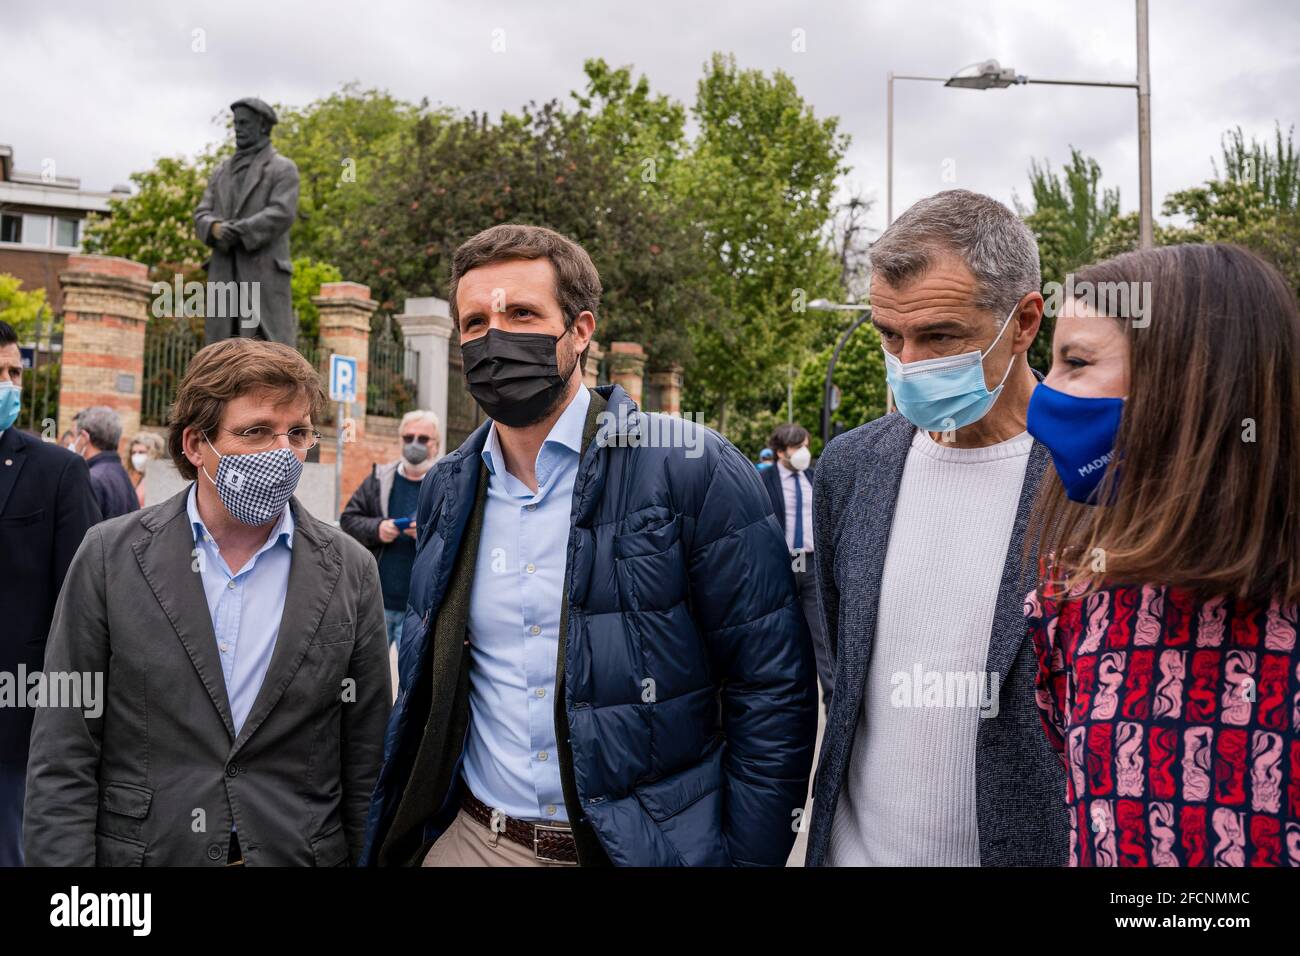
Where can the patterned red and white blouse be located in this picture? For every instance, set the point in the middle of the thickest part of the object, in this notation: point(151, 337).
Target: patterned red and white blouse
point(1178, 720)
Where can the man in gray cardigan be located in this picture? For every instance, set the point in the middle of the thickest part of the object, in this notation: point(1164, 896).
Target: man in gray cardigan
point(933, 754)
point(226, 648)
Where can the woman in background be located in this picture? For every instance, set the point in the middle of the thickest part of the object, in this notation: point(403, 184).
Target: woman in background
point(145, 447)
point(1166, 618)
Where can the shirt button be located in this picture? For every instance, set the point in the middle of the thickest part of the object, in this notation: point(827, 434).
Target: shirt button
point(224, 648)
point(534, 630)
point(541, 755)
point(230, 585)
point(550, 810)
point(530, 507)
point(541, 692)
point(531, 568)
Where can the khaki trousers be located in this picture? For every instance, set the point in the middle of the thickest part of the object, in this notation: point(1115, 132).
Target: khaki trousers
point(468, 843)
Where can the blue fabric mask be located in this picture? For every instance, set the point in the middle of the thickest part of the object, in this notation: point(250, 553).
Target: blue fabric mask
point(11, 399)
point(941, 394)
point(1079, 433)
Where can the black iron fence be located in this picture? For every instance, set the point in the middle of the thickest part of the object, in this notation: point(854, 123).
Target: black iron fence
point(393, 383)
point(42, 356)
point(169, 344)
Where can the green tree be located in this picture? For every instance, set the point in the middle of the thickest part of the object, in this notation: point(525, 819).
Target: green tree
point(1070, 214)
point(1252, 201)
point(23, 309)
point(304, 285)
point(760, 180)
point(155, 224)
point(337, 143)
point(860, 377)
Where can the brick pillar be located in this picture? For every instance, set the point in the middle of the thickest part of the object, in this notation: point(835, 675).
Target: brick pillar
point(627, 367)
point(591, 371)
point(665, 384)
point(105, 310)
point(345, 310)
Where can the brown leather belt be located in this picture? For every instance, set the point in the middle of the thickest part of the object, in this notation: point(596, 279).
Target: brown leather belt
point(549, 843)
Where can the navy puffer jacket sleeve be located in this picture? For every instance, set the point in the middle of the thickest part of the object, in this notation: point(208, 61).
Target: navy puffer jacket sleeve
point(742, 594)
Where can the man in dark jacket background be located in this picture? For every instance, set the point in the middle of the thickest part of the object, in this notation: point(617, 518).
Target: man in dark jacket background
point(388, 496)
point(96, 434)
point(46, 505)
point(603, 658)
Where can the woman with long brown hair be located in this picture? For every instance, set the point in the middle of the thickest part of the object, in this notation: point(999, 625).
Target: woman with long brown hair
point(1167, 613)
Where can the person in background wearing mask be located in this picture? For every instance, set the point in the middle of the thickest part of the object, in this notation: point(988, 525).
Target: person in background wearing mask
point(46, 506)
point(931, 754)
point(97, 433)
point(790, 485)
point(1167, 617)
point(389, 496)
point(603, 660)
point(766, 458)
point(144, 447)
point(237, 644)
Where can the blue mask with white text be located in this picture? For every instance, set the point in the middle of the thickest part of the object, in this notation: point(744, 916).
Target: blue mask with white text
point(1080, 435)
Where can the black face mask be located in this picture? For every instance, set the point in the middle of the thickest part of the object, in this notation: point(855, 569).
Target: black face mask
point(515, 376)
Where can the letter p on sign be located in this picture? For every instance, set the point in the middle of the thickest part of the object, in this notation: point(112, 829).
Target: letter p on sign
point(343, 378)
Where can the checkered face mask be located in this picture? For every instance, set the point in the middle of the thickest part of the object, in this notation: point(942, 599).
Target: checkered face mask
point(255, 488)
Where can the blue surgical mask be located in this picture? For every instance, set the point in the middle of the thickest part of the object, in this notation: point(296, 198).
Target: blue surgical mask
point(941, 394)
point(11, 399)
point(1080, 435)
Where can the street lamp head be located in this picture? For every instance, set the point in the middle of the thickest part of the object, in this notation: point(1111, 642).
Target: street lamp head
point(984, 76)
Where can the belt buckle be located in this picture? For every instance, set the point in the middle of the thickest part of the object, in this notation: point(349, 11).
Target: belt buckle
point(537, 852)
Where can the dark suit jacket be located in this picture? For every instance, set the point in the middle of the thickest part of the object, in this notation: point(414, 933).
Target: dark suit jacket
point(1019, 780)
point(263, 203)
point(113, 489)
point(125, 788)
point(46, 505)
point(772, 478)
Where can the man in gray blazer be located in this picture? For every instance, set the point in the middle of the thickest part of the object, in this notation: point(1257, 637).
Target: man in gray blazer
point(226, 650)
point(245, 214)
point(933, 753)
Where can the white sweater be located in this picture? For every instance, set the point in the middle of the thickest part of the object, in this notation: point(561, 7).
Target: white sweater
point(909, 789)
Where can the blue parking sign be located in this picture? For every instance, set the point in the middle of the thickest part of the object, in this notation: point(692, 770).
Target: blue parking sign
point(343, 378)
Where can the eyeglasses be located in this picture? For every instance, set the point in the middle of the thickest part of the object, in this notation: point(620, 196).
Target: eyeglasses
point(422, 439)
point(261, 438)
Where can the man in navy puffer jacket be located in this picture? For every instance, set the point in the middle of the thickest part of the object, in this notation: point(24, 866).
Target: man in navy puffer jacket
point(603, 659)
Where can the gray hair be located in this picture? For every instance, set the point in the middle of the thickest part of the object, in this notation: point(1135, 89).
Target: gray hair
point(989, 238)
point(421, 415)
point(102, 426)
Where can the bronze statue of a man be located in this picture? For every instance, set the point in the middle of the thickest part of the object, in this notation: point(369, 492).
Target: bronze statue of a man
point(245, 214)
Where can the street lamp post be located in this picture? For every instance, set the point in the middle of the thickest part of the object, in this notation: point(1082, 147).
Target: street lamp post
point(864, 313)
point(990, 75)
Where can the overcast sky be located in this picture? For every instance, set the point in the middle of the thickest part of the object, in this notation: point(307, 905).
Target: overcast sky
point(104, 88)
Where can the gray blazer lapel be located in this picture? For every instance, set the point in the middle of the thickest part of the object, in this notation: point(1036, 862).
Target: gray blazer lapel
point(166, 559)
point(869, 523)
point(313, 574)
point(1018, 575)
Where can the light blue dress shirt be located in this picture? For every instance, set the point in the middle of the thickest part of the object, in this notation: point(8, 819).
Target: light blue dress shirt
point(246, 607)
point(510, 759)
